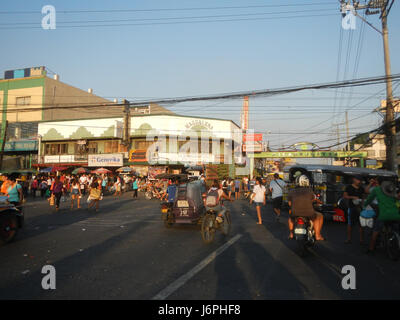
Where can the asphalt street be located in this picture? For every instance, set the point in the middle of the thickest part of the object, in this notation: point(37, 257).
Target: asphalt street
point(125, 252)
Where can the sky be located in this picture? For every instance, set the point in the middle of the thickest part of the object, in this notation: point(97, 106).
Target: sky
point(161, 49)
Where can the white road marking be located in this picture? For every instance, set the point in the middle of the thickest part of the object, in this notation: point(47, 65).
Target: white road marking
point(165, 293)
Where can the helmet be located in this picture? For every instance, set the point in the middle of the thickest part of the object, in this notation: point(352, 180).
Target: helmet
point(302, 181)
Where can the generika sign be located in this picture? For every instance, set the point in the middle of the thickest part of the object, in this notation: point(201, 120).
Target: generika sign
point(105, 160)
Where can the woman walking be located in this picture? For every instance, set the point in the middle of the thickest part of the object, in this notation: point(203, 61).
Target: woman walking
point(94, 195)
point(259, 198)
point(75, 193)
point(135, 187)
point(57, 191)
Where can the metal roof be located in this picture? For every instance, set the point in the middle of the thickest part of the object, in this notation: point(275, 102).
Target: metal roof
point(341, 169)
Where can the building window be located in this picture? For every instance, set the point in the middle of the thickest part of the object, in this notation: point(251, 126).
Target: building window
point(111, 146)
point(92, 148)
point(23, 101)
point(382, 153)
point(371, 153)
point(56, 148)
point(142, 145)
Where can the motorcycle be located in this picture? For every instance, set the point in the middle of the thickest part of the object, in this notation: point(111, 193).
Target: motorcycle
point(304, 234)
point(11, 219)
point(215, 220)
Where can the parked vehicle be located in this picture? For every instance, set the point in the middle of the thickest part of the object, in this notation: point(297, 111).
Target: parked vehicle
point(329, 183)
point(11, 220)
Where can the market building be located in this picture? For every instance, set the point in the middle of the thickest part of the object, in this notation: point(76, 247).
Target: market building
point(158, 143)
point(29, 96)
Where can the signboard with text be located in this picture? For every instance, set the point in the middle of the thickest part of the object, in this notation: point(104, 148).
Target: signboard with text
point(105, 160)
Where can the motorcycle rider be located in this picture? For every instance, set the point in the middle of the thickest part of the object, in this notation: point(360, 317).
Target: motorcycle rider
point(301, 200)
point(385, 192)
point(214, 199)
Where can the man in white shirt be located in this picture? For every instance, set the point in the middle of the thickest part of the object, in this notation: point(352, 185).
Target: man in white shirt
point(276, 188)
point(259, 198)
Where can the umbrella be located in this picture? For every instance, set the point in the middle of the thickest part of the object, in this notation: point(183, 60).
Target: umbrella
point(101, 171)
point(53, 169)
point(80, 170)
point(125, 169)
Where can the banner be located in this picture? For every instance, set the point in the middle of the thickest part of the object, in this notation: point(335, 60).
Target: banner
point(105, 160)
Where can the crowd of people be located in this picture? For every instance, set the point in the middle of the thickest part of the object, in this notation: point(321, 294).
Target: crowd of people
point(58, 188)
point(72, 188)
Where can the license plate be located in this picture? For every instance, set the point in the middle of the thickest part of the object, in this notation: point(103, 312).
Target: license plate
point(183, 204)
point(300, 231)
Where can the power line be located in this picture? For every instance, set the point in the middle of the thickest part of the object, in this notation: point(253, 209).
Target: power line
point(172, 23)
point(236, 95)
point(171, 18)
point(169, 9)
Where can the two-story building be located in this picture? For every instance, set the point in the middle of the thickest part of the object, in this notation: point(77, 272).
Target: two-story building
point(169, 141)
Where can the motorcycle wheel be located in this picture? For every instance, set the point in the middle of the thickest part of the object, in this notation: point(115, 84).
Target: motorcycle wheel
point(207, 229)
point(8, 228)
point(301, 248)
point(167, 222)
point(148, 195)
point(226, 225)
point(393, 245)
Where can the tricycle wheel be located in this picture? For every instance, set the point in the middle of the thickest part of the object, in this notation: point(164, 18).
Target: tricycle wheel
point(226, 225)
point(167, 222)
point(8, 228)
point(207, 228)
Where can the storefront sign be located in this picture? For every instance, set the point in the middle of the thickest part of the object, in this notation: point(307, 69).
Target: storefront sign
point(52, 159)
point(252, 147)
point(59, 159)
point(137, 156)
point(185, 157)
point(253, 137)
point(312, 154)
point(23, 145)
point(105, 160)
point(199, 123)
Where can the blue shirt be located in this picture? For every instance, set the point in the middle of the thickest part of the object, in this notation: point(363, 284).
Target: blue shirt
point(135, 186)
point(171, 190)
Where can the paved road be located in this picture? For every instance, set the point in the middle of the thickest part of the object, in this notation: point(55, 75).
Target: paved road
point(125, 252)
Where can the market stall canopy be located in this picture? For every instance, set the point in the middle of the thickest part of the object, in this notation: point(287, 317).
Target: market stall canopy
point(172, 176)
point(80, 170)
point(53, 169)
point(101, 171)
point(125, 169)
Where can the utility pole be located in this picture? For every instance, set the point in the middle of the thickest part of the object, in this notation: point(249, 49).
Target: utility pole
point(3, 143)
point(347, 131)
point(382, 7)
point(126, 137)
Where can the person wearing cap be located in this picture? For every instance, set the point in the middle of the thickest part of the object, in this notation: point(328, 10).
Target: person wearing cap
point(385, 192)
point(354, 193)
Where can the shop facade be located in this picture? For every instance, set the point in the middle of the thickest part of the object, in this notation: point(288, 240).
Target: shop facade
point(158, 143)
